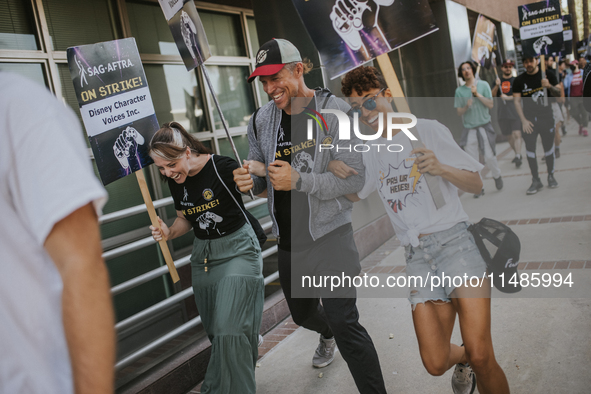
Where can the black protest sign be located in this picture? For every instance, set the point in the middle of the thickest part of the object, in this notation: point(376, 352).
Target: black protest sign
point(348, 33)
point(187, 30)
point(540, 28)
point(485, 44)
point(115, 104)
point(567, 34)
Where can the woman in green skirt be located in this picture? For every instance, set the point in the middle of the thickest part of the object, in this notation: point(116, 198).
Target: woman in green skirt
point(226, 261)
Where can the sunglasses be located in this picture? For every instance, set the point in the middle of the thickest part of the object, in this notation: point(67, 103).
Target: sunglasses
point(369, 104)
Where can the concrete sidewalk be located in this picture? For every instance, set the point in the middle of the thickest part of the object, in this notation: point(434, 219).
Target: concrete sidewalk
point(543, 345)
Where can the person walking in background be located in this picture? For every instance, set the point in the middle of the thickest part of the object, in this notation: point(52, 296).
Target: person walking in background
point(57, 325)
point(226, 262)
point(508, 118)
point(576, 93)
point(536, 119)
point(473, 102)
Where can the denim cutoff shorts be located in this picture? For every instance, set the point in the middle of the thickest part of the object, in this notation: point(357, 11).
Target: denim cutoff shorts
point(449, 254)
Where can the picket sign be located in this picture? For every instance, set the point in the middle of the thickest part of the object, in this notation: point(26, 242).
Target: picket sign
point(141, 180)
point(402, 106)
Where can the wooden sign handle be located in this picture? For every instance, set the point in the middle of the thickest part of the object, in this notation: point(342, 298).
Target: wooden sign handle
point(141, 180)
point(543, 67)
point(393, 83)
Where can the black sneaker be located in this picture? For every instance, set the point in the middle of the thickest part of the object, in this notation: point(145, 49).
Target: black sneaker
point(499, 183)
point(563, 129)
point(514, 160)
point(552, 184)
point(479, 194)
point(535, 186)
point(518, 162)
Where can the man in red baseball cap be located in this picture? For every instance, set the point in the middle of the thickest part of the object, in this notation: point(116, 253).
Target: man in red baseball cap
point(311, 216)
point(273, 56)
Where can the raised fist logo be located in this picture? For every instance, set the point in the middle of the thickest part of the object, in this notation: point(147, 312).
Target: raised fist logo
point(125, 148)
point(209, 219)
point(537, 95)
point(353, 18)
point(303, 162)
point(542, 43)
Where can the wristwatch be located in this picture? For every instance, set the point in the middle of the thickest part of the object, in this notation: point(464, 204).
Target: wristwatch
point(299, 183)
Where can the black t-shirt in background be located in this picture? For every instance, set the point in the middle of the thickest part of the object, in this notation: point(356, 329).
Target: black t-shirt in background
point(205, 202)
point(507, 108)
point(532, 94)
point(292, 210)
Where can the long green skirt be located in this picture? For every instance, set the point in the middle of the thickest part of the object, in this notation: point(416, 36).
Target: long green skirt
point(230, 297)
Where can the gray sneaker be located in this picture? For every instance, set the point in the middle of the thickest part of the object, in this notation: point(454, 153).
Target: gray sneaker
point(324, 353)
point(463, 381)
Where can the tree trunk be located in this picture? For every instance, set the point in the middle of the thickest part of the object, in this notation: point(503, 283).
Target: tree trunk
point(586, 18)
point(573, 14)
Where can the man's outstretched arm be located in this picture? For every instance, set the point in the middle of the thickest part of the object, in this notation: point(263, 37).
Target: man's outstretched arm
point(74, 246)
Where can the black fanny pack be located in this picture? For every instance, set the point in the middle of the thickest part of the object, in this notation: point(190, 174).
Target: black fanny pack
point(500, 248)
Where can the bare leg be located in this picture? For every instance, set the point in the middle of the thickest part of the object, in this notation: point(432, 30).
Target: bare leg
point(557, 136)
point(434, 322)
point(474, 316)
point(517, 141)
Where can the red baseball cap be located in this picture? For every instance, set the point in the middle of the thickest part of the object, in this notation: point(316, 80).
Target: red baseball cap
point(273, 56)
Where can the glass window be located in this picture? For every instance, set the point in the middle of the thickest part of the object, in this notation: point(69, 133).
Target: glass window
point(224, 33)
point(17, 27)
point(33, 71)
point(150, 29)
point(241, 142)
point(73, 23)
point(68, 92)
point(254, 42)
point(176, 96)
point(234, 94)
point(254, 38)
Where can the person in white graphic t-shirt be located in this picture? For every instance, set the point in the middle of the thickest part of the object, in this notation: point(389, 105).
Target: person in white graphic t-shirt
point(437, 241)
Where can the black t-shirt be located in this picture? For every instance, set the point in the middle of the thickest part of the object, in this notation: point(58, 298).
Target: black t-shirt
point(205, 202)
point(294, 230)
point(532, 94)
point(507, 108)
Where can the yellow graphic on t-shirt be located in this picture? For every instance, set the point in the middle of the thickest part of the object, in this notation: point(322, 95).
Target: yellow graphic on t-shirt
point(208, 194)
point(414, 173)
point(294, 149)
point(201, 208)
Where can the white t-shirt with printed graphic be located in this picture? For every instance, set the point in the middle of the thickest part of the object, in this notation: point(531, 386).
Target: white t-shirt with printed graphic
point(403, 189)
point(45, 175)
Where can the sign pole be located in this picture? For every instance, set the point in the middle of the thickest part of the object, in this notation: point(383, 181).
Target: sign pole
point(393, 83)
point(543, 67)
point(141, 180)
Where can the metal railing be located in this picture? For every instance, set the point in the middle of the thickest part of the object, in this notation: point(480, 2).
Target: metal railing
point(153, 274)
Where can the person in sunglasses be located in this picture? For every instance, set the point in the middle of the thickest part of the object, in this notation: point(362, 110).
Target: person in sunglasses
point(311, 215)
point(436, 240)
point(473, 100)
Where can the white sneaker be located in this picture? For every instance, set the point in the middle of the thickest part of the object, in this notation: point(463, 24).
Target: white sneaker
point(324, 354)
point(463, 381)
point(261, 340)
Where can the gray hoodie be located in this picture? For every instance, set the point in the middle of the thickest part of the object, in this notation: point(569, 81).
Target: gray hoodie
point(329, 208)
